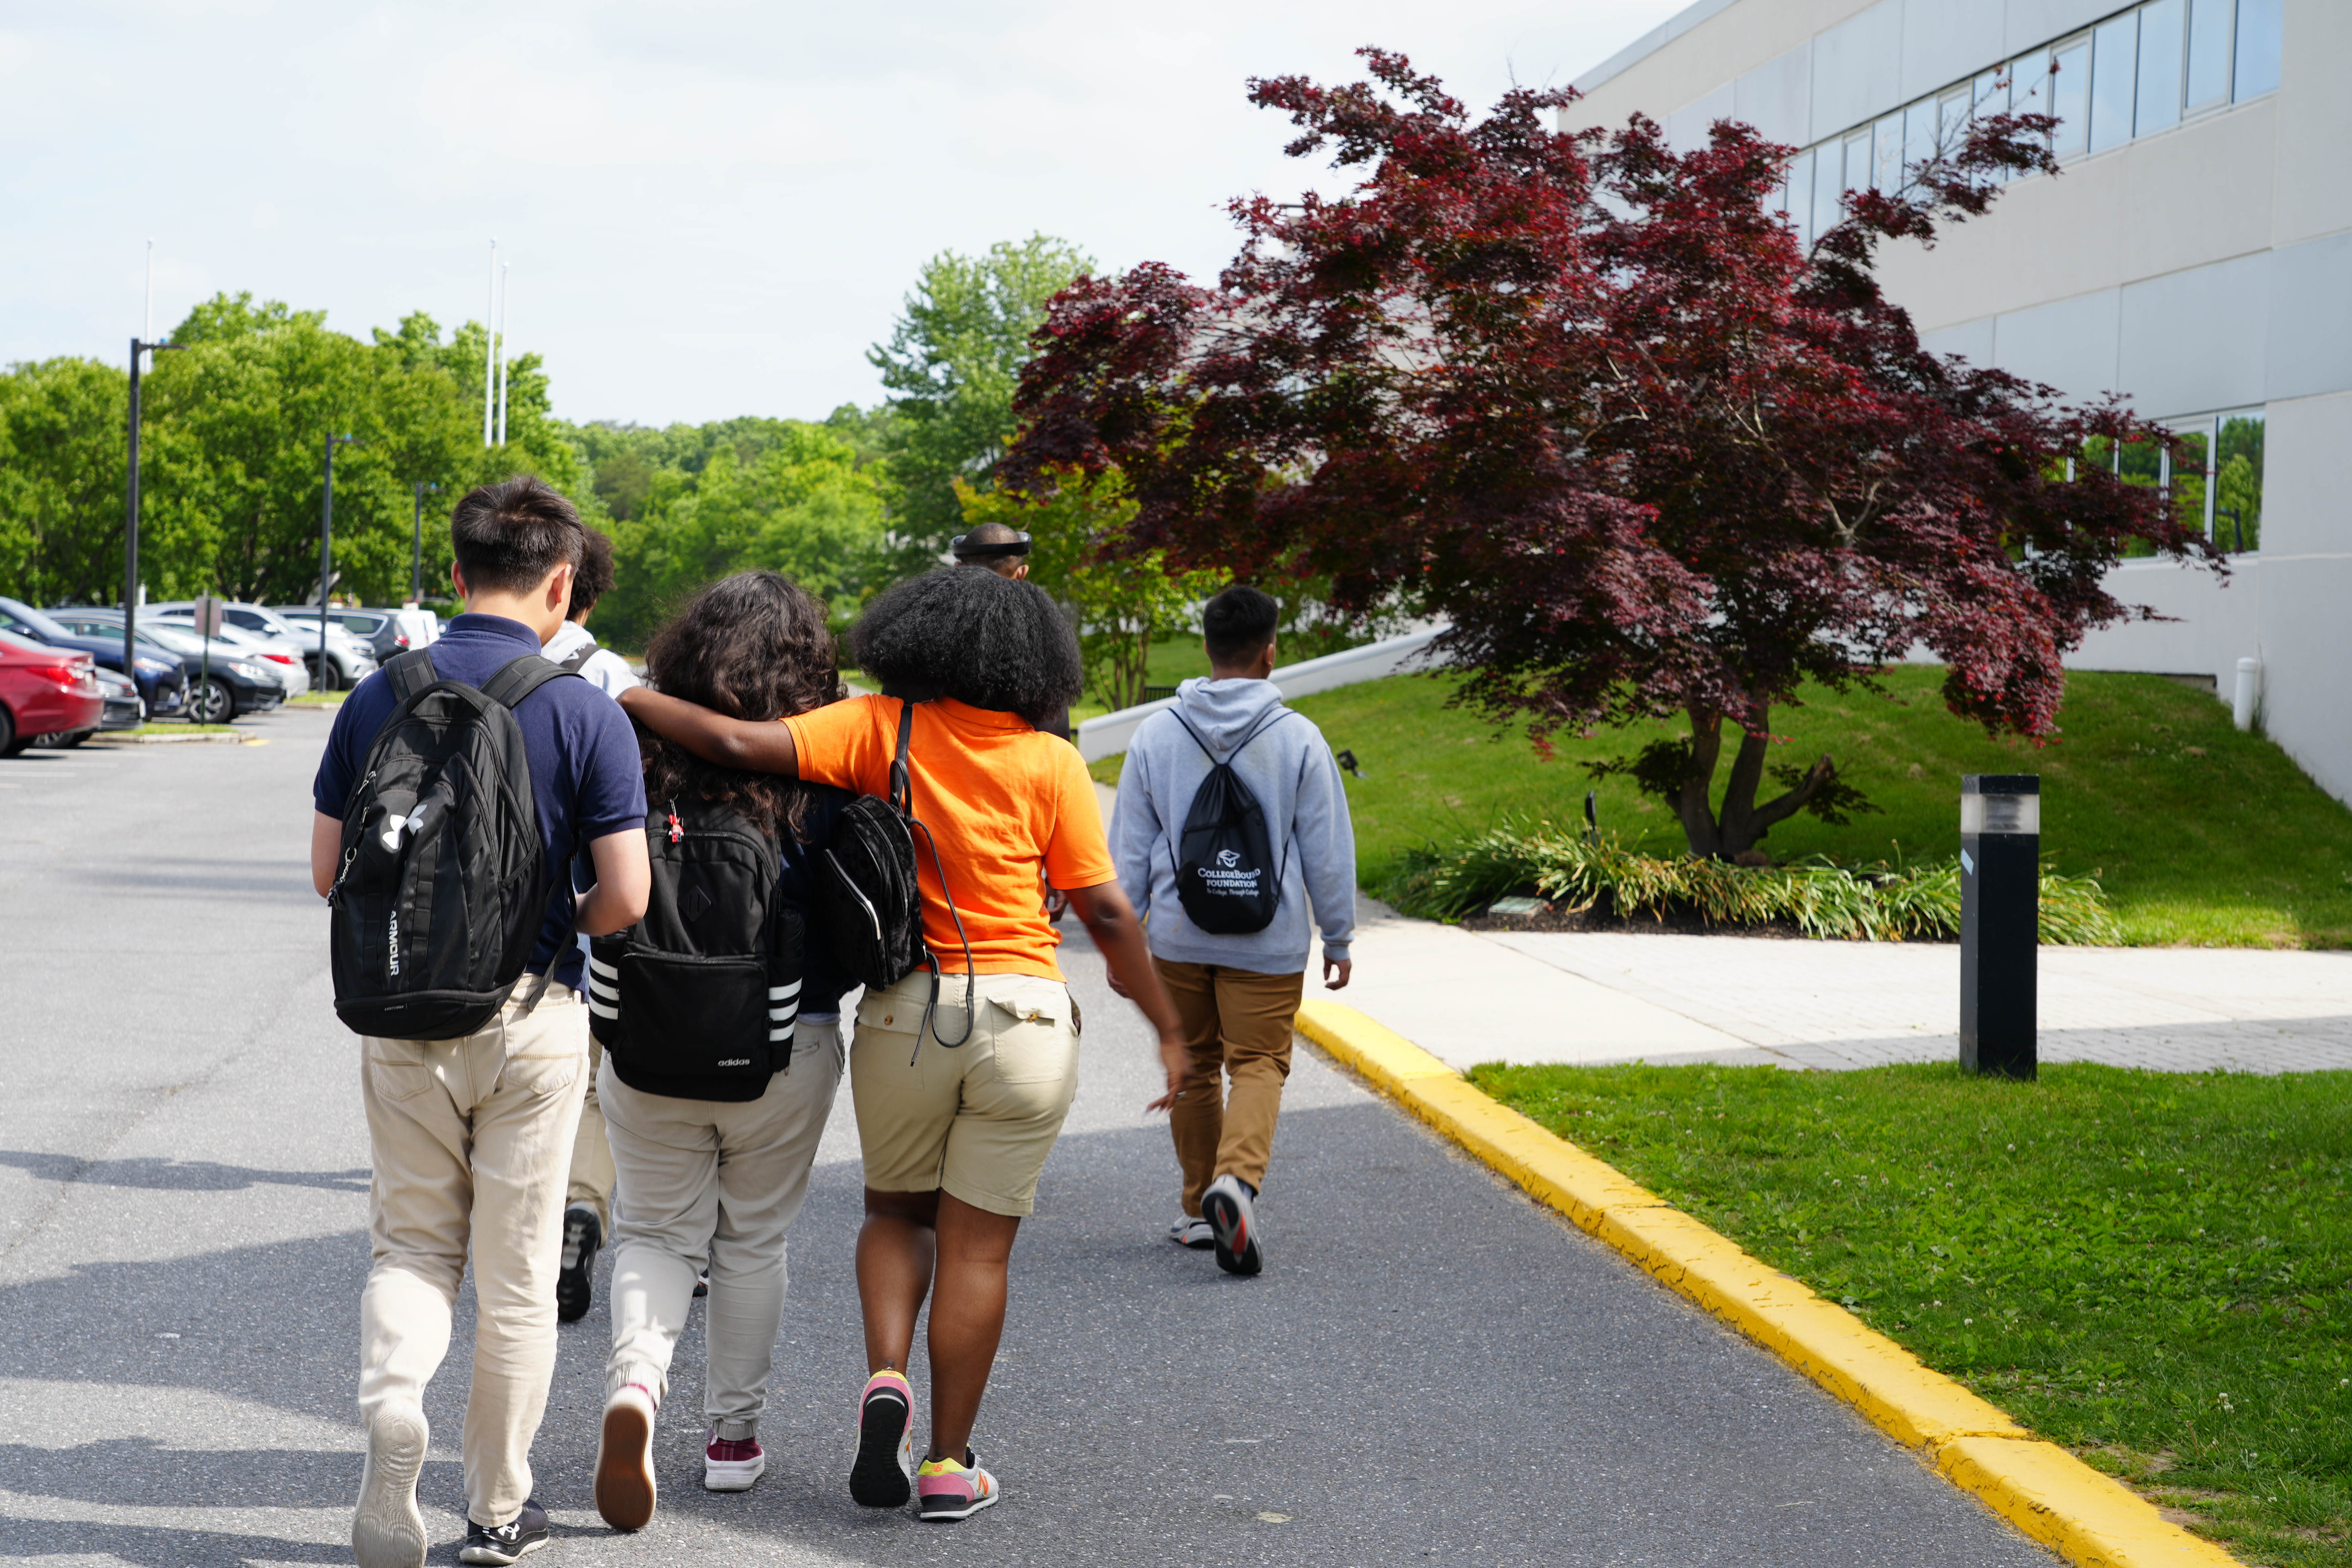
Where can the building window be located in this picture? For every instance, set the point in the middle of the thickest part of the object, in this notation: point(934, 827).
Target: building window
point(1797, 197)
point(1886, 166)
point(2067, 92)
point(2209, 54)
point(2115, 75)
point(2158, 102)
point(2261, 44)
point(2238, 481)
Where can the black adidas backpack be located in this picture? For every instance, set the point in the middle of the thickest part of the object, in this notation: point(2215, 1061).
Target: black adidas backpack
point(870, 904)
point(700, 995)
point(1226, 877)
point(442, 888)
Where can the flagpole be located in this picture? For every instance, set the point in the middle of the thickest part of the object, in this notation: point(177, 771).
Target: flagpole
point(506, 293)
point(490, 349)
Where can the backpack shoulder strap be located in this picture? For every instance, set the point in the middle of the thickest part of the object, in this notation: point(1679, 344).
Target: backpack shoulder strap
point(902, 782)
point(1205, 752)
point(573, 661)
point(519, 678)
point(410, 673)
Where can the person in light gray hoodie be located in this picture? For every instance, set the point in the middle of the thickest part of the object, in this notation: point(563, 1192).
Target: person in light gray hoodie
point(1236, 991)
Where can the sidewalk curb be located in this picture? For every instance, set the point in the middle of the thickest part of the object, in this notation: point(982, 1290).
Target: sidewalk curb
point(2043, 1490)
point(195, 740)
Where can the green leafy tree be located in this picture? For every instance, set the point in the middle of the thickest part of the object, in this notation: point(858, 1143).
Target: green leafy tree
point(1122, 603)
point(951, 365)
point(782, 495)
point(62, 459)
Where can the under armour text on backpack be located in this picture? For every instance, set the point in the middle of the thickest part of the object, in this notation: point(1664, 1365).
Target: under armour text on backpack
point(442, 888)
point(1226, 877)
point(703, 991)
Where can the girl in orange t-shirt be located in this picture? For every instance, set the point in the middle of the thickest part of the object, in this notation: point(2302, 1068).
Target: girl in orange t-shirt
point(954, 1138)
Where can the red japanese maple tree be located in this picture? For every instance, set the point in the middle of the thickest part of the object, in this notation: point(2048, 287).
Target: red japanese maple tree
point(1591, 401)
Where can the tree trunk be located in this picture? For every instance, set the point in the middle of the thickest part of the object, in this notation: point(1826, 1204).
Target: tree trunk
point(1741, 823)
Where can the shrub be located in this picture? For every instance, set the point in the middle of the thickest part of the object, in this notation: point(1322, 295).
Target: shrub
point(1821, 897)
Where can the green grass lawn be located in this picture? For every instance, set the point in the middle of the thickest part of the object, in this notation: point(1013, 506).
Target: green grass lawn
point(2201, 834)
point(2152, 1269)
point(315, 699)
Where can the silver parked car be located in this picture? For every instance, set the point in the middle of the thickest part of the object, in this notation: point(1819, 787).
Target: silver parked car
point(348, 661)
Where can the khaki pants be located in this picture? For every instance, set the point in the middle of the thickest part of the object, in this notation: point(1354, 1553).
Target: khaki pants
point(705, 1181)
point(471, 1140)
point(591, 1154)
point(1237, 1023)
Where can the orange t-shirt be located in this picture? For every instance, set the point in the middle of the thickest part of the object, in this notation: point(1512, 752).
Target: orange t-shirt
point(1001, 800)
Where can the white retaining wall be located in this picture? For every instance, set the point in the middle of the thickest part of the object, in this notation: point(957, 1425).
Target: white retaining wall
point(1109, 735)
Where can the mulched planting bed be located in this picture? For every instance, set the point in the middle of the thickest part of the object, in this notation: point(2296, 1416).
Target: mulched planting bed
point(2154, 1269)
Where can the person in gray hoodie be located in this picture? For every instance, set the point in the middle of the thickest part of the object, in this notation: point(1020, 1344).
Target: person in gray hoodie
point(1236, 994)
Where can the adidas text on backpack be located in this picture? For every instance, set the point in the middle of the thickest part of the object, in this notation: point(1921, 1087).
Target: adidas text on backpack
point(1226, 877)
point(439, 896)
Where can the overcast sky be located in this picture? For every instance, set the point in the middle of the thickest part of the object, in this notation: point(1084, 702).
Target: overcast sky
point(710, 209)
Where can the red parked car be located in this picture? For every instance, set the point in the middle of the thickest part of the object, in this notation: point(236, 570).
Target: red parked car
point(45, 690)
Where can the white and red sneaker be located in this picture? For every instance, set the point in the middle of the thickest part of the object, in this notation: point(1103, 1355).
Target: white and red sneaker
point(1230, 1208)
point(883, 1473)
point(731, 1464)
point(624, 1458)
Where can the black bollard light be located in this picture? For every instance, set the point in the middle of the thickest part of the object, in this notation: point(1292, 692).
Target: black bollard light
point(2001, 915)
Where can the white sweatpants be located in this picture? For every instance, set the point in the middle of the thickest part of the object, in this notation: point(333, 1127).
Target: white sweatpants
point(704, 1182)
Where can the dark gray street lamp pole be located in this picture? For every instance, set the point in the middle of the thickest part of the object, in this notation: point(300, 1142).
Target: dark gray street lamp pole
point(416, 546)
point(130, 516)
point(327, 551)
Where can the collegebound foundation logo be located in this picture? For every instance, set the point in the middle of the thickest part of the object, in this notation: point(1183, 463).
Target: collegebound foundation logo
point(1228, 858)
point(1227, 878)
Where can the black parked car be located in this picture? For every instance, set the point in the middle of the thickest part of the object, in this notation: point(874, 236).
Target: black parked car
point(162, 686)
point(231, 685)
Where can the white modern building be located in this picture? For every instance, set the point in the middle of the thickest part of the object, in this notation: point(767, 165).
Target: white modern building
point(2195, 255)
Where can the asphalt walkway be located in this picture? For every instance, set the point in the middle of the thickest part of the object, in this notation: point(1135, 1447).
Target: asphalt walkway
point(1431, 1369)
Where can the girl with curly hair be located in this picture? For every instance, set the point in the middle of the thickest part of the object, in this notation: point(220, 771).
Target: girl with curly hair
point(955, 1136)
point(711, 1170)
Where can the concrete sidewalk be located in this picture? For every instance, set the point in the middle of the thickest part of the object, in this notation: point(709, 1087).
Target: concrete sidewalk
point(1473, 997)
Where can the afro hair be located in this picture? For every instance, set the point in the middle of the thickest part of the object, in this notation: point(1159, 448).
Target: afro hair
point(978, 637)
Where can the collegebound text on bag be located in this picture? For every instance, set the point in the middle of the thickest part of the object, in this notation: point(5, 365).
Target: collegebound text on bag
point(1226, 877)
point(703, 991)
point(870, 903)
point(443, 885)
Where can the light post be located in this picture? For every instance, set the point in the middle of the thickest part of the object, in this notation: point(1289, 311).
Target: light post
point(416, 546)
point(130, 515)
point(327, 552)
point(2000, 918)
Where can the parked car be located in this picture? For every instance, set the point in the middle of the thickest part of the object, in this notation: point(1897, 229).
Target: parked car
point(348, 659)
point(297, 661)
point(124, 710)
point(231, 685)
point(162, 685)
point(382, 633)
point(45, 690)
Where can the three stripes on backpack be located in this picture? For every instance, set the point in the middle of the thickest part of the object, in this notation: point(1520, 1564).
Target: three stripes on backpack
point(604, 1000)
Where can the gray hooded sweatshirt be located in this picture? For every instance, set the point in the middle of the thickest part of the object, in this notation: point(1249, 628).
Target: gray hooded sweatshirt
point(1289, 768)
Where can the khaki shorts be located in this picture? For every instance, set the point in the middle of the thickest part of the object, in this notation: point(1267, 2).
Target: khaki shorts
point(976, 1121)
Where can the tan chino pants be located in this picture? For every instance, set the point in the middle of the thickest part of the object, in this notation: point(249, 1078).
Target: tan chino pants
point(1237, 1024)
point(471, 1143)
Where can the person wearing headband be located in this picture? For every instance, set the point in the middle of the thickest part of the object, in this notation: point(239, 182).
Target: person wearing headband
point(1003, 551)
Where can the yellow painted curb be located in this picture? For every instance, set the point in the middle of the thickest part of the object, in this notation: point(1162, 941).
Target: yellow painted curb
point(2052, 1496)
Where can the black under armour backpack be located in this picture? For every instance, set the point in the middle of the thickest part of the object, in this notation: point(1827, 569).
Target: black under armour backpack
point(701, 994)
point(870, 904)
point(1226, 877)
point(442, 888)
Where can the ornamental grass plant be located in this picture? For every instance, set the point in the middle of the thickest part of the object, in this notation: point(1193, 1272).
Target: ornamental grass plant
point(1587, 871)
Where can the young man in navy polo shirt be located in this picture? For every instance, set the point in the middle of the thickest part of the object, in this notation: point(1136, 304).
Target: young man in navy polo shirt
point(471, 1139)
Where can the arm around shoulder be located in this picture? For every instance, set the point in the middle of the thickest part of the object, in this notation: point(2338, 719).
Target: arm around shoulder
point(764, 748)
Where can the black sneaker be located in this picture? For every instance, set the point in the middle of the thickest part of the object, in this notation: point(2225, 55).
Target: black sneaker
point(575, 1286)
point(1232, 1214)
point(526, 1533)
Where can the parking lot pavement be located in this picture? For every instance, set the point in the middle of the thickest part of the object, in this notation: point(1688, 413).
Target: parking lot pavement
point(1431, 1369)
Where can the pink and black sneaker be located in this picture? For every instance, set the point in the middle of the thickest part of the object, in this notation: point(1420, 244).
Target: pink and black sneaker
point(731, 1464)
point(883, 1473)
point(950, 1491)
